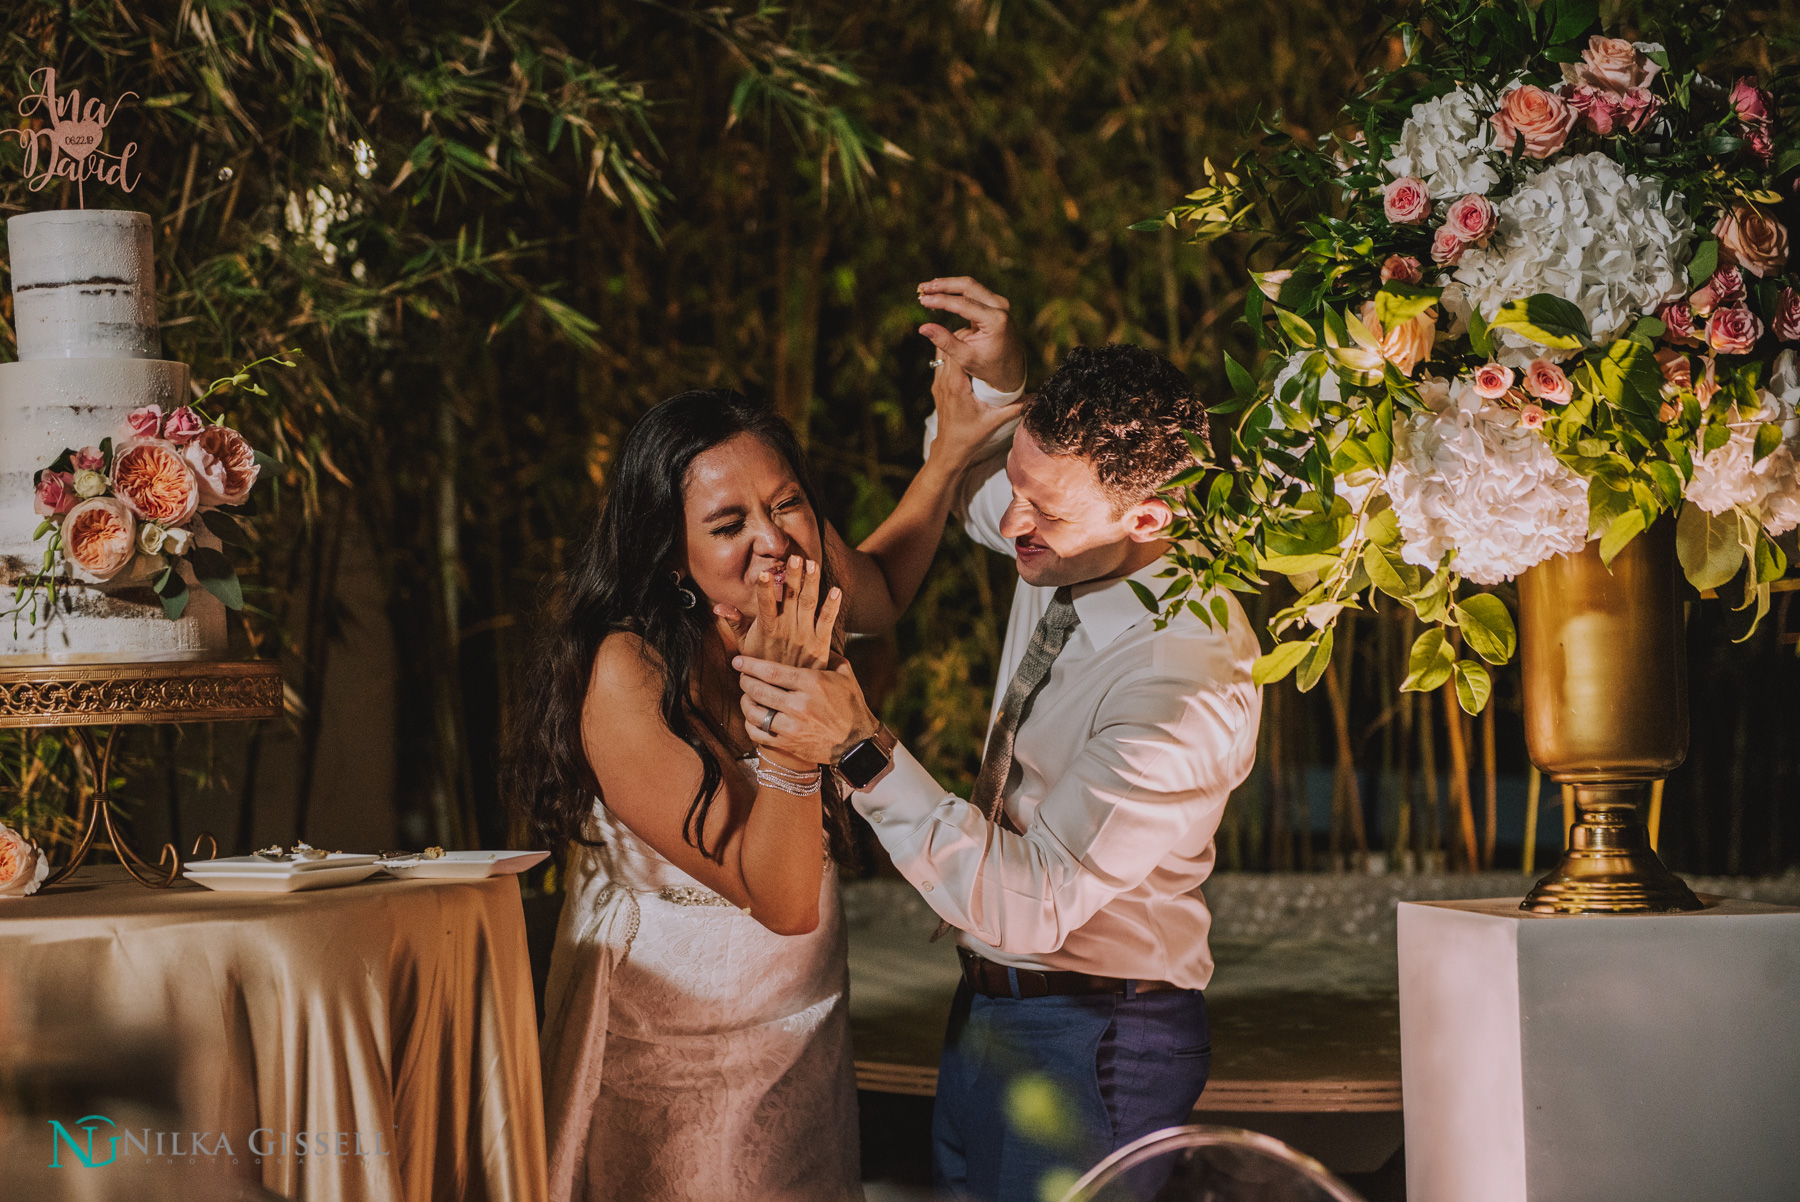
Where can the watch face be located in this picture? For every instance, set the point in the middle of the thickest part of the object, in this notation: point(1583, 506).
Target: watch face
point(862, 763)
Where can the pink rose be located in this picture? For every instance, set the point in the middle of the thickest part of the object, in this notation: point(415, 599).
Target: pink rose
point(182, 427)
point(1761, 142)
point(1540, 119)
point(1678, 318)
point(1406, 201)
point(1407, 343)
point(1403, 268)
point(1754, 242)
point(1446, 248)
point(55, 493)
point(1787, 316)
point(89, 459)
point(22, 866)
point(224, 465)
point(155, 483)
point(1702, 301)
point(1636, 107)
point(1472, 219)
point(1614, 65)
point(1600, 110)
point(1748, 102)
point(1532, 416)
point(144, 423)
point(100, 536)
point(1733, 330)
point(1492, 380)
point(1726, 285)
point(1677, 371)
point(1546, 381)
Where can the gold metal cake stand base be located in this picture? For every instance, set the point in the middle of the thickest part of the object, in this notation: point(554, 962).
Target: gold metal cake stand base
point(80, 697)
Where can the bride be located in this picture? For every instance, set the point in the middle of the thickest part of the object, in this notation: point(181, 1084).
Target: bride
point(695, 1042)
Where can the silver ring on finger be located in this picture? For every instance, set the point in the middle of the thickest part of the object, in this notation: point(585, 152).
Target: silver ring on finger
point(768, 722)
point(937, 363)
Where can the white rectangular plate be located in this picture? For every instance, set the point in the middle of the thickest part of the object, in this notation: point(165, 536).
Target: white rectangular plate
point(240, 865)
point(293, 882)
point(465, 865)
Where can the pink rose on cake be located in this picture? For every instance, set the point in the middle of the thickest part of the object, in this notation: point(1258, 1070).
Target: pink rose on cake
point(100, 537)
point(89, 459)
point(22, 866)
point(145, 422)
point(55, 494)
point(1541, 120)
point(155, 482)
point(224, 464)
point(183, 426)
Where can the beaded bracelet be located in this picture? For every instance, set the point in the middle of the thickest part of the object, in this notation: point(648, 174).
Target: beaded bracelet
point(787, 780)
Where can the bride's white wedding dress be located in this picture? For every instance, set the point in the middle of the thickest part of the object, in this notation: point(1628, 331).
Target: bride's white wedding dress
point(689, 1052)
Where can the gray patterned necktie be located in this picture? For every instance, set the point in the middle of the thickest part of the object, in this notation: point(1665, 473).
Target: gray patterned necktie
point(1034, 669)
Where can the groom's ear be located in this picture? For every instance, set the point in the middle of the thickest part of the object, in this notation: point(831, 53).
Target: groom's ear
point(1147, 520)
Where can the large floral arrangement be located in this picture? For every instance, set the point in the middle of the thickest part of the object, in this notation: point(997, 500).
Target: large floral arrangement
point(1532, 291)
point(155, 504)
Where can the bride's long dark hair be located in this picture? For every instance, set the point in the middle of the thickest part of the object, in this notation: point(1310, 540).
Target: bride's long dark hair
point(624, 578)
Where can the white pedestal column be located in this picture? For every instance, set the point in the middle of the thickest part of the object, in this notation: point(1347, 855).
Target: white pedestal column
point(1600, 1059)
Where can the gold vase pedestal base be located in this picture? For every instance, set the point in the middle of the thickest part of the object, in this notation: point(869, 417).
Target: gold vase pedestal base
point(1610, 867)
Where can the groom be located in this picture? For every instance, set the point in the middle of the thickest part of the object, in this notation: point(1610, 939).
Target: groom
point(1074, 871)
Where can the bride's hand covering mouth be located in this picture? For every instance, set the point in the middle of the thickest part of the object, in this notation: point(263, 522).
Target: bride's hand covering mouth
point(792, 625)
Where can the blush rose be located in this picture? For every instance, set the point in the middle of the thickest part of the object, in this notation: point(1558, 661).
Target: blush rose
point(1615, 65)
point(224, 465)
point(1403, 268)
point(183, 426)
point(1546, 381)
point(1538, 121)
point(145, 422)
point(1472, 219)
point(1406, 201)
point(1407, 344)
point(1733, 330)
point(1446, 248)
point(54, 494)
point(22, 866)
point(1492, 380)
point(1787, 316)
point(100, 536)
point(1757, 243)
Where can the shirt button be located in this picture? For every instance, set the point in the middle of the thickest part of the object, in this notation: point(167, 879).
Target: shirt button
point(925, 885)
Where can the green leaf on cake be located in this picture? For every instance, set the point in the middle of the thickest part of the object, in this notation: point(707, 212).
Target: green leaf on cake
point(174, 592)
point(225, 528)
point(1545, 319)
point(216, 576)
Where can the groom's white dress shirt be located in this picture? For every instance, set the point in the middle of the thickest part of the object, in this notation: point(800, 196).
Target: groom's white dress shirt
point(1125, 761)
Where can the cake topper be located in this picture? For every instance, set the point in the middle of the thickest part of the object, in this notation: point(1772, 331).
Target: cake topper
point(73, 136)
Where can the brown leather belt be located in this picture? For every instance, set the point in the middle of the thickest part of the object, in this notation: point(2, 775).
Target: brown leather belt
point(996, 980)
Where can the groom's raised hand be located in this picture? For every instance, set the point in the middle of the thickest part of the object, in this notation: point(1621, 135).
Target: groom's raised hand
point(989, 348)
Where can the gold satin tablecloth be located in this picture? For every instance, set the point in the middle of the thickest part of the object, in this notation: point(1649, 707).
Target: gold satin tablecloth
point(391, 1020)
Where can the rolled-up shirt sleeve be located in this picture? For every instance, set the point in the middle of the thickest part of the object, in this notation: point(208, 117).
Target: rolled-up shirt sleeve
point(1153, 777)
point(984, 492)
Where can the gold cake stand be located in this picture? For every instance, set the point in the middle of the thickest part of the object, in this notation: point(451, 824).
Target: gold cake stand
point(80, 697)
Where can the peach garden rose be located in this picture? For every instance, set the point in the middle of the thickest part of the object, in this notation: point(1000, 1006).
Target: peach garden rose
point(100, 537)
point(22, 866)
point(224, 465)
point(155, 482)
point(1407, 344)
point(1757, 243)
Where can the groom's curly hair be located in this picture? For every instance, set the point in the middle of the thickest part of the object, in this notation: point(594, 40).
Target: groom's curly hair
point(1125, 410)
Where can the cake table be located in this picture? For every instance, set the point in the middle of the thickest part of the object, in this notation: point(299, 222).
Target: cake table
point(373, 1042)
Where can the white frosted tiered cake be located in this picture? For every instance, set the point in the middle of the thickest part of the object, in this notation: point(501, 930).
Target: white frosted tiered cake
point(84, 306)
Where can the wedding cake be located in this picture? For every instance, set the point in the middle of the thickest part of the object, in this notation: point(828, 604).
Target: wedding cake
point(84, 308)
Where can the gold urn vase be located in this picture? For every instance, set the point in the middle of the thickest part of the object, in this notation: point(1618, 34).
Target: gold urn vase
point(1606, 710)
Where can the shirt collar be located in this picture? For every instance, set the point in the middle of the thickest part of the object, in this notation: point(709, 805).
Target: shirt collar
point(1108, 608)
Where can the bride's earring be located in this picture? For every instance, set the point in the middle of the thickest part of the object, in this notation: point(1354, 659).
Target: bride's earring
point(683, 594)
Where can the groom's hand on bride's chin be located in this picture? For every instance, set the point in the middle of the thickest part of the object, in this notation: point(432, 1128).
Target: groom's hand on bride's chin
point(822, 713)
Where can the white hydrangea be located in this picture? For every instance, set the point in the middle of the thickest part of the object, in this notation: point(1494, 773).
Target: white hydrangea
point(1446, 143)
point(1770, 490)
point(1469, 477)
point(1584, 230)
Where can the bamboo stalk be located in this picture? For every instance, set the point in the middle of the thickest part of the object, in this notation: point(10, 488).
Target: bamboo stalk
point(1459, 780)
